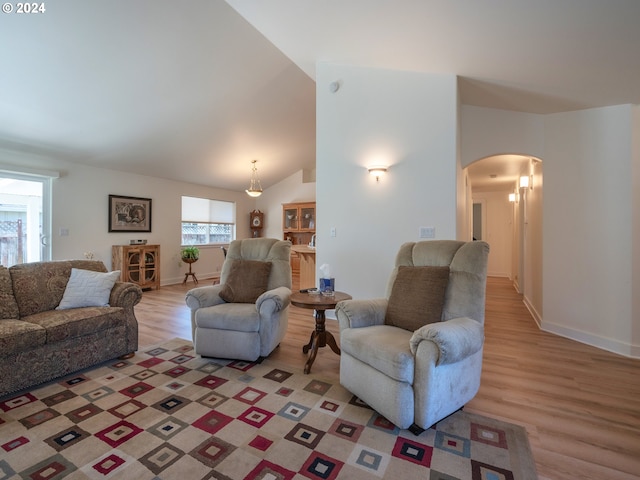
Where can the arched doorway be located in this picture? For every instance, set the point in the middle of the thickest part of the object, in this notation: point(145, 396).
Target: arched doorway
point(511, 219)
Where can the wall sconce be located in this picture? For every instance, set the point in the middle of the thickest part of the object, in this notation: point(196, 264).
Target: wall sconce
point(377, 172)
point(512, 197)
point(526, 182)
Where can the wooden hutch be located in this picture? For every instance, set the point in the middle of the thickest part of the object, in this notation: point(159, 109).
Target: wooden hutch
point(299, 227)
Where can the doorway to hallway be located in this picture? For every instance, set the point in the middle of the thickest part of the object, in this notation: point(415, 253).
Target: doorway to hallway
point(510, 216)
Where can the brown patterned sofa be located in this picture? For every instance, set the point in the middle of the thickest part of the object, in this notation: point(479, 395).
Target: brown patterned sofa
point(39, 343)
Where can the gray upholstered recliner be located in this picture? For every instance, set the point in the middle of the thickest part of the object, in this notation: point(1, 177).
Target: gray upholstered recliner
point(243, 331)
point(419, 377)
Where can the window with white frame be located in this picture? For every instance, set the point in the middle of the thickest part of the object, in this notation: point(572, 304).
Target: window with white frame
point(207, 222)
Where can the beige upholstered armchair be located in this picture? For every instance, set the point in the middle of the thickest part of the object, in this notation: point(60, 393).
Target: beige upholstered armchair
point(245, 316)
point(416, 356)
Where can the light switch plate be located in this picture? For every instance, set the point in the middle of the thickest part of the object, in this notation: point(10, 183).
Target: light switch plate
point(427, 232)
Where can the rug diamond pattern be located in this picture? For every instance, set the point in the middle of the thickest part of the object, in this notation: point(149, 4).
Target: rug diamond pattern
point(168, 413)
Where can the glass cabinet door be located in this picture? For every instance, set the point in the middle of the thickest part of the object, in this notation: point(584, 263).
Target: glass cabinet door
point(150, 266)
point(291, 219)
point(134, 258)
point(133, 267)
point(308, 218)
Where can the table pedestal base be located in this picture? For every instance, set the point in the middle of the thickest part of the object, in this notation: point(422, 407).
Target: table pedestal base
point(319, 338)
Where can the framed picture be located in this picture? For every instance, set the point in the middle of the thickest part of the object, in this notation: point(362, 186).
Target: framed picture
point(129, 214)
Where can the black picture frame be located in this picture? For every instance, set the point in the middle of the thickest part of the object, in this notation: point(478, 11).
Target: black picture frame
point(129, 214)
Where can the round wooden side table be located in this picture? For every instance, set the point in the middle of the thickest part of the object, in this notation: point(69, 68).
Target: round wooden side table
point(319, 337)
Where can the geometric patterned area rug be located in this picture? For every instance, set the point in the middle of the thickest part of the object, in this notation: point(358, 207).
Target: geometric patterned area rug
point(168, 414)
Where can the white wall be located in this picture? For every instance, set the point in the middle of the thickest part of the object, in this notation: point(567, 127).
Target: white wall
point(80, 204)
point(588, 205)
point(533, 254)
point(488, 131)
point(405, 120)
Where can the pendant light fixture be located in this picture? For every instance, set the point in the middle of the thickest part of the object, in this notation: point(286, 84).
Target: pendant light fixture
point(255, 189)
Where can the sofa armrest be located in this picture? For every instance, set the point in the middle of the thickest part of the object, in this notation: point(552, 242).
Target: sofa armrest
point(455, 339)
point(125, 294)
point(274, 300)
point(361, 313)
point(201, 297)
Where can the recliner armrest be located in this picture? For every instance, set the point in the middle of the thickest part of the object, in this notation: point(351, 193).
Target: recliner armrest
point(456, 339)
point(278, 296)
point(201, 297)
point(361, 313)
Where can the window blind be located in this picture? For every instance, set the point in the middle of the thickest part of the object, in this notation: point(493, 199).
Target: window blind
point(203, 210)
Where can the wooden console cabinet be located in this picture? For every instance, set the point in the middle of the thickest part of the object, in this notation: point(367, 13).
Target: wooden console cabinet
point(138, 264)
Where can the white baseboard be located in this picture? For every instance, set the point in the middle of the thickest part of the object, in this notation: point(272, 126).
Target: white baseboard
point(498, 274)
point(608, 344)
point(534, 313)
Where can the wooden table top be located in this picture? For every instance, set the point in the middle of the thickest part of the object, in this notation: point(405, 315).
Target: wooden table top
point(318, 301)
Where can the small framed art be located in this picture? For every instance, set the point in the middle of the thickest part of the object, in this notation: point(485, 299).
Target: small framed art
point(129, 214)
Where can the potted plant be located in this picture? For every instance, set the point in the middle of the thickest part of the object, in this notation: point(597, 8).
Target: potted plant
point(190, 254)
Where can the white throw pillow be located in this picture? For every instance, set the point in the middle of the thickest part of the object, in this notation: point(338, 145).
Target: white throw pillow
point(87, 288)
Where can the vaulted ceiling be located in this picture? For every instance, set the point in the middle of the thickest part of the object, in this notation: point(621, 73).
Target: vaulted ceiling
point(195, 90)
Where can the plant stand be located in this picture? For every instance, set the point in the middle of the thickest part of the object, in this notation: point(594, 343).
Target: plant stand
point(190, 273)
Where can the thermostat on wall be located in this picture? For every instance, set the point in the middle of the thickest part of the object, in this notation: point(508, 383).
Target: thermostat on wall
point(137, 242)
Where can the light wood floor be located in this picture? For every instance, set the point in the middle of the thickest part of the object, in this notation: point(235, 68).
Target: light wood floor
point(580, 405)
